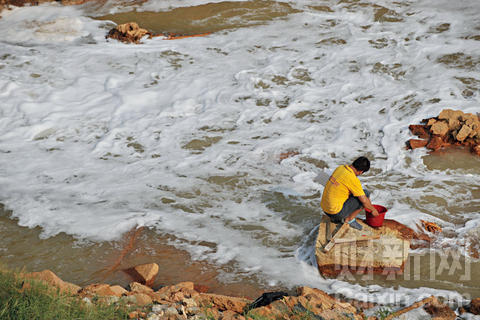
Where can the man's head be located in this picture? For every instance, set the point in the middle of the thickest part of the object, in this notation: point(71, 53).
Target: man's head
point(361, 164)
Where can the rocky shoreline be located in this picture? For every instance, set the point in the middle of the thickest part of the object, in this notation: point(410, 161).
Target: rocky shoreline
point(186, 300)
point(451, 128)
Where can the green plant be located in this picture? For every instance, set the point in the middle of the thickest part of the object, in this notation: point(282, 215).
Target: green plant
point(207, 311)
point(29, 299)
point(252, 315)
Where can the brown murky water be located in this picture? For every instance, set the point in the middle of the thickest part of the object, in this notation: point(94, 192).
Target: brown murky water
point(211, 17)
point(85, 263)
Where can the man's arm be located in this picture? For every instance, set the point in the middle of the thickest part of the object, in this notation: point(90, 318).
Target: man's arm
point(368, 205)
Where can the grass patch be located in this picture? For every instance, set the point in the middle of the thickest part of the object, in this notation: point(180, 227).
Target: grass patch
point(29, 299)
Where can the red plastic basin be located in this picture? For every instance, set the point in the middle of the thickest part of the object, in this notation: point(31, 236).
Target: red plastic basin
point(376, 221)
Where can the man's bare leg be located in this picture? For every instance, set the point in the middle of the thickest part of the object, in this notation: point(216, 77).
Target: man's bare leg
point(353, 215)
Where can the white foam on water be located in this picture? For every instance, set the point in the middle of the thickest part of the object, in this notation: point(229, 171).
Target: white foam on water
point(185, 136)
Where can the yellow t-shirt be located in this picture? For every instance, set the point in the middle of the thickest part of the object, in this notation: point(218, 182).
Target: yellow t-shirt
point(340, 185)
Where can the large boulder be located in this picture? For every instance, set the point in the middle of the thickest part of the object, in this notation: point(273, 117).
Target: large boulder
point(52, 279)
point(384, 251)
point(144, 274)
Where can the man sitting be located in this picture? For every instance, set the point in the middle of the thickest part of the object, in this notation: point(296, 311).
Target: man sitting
point(343, 197)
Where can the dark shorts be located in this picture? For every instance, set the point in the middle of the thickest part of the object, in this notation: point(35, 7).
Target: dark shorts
point(349, 206)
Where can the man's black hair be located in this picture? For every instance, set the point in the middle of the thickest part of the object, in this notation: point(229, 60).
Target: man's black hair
point(361, 164)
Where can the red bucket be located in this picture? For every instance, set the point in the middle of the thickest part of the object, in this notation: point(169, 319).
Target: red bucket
point(376, 221)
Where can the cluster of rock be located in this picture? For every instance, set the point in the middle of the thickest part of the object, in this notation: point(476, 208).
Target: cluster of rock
point(128, 33)
point(131, 33)
point(187, 301)
point(449, 128)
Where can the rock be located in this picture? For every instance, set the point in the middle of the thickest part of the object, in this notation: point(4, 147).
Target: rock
point(463, 133)
point(322, 301)
point(469, 118)
point(230, 315)
point(404, 231)
point(192, 311)
point(140, 288)
point(439, 310)
point(446, 114)
point(210, 314)
point(118, 290)
point(132, 299)
point(420, 131)
point(128, 33)
point(416, 143)
point(385, 255)
point(431, 226)
point(52, 279)
point(450, 128)
point(309, 304)
point(223, 303)
point(436, 143)
point(476, 150)
point(142, 299)
point(144, 274)
point(176, 293)
point(453, 124)
point(474, 306)
point(153, 316)
point(157, 308)
point(439, 128)
point(97, 290)
point(171, 312)
point(189, 303)
point(200, 288)
point(109, 299)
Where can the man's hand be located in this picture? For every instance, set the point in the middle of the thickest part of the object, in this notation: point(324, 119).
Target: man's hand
point(368, 205)
point(375, 212)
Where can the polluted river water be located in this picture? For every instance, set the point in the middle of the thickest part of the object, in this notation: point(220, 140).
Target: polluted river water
point(170, 151)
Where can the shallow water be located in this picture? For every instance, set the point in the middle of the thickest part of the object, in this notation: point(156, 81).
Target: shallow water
point(210, 17)
point(84, 262)
point(186, 138)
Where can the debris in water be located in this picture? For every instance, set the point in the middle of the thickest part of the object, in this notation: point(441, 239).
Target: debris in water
point(431, 226)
